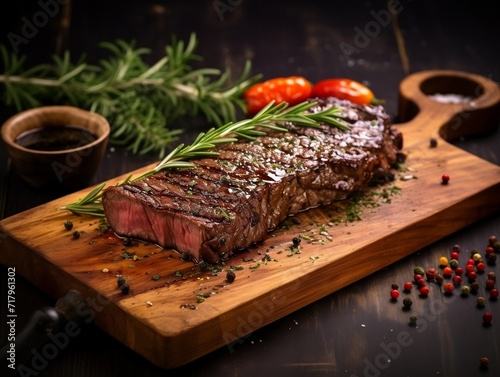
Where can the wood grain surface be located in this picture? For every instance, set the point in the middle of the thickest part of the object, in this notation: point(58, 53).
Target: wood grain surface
point(164, 319)
point(348, 332)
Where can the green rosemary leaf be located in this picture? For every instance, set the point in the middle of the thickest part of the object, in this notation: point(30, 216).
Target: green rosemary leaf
point(159, 93)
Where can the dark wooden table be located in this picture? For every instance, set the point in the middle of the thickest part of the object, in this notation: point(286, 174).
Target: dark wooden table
point(356, 331)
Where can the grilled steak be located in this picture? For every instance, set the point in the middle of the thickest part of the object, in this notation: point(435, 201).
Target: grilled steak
point(232, 201)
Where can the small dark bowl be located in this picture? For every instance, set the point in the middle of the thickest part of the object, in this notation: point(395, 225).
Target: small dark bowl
point(70, 168)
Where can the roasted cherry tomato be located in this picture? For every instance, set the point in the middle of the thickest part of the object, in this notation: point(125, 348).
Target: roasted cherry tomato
point(293, 90)
point(348, 89)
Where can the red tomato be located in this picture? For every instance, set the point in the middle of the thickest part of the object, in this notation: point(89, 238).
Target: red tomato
point(345, 89)
point(293, 90)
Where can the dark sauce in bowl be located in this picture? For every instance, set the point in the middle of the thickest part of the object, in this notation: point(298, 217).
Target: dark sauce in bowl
point(55, 138)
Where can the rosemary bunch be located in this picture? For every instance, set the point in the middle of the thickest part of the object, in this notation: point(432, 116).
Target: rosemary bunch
point(139, 100)
point(269, 118)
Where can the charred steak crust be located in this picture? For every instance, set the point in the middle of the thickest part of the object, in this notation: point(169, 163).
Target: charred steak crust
point(232, 201)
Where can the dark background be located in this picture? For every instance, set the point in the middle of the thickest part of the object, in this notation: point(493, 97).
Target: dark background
point(342, 333)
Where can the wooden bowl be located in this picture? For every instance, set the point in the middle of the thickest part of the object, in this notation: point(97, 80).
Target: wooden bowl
point(72, 167)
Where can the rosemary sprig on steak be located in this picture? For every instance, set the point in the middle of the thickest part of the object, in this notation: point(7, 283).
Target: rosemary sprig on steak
point(140, 100)
point(268, 118)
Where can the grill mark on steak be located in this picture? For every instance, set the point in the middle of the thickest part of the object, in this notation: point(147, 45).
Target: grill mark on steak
point(232, 201)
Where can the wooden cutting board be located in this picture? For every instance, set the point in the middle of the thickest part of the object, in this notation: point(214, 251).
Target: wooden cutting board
point(162, 317)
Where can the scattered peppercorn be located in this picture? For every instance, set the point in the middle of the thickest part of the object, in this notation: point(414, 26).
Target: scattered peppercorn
point(407, 286)
point(472, 275)
point(125, 288)
point(445, 178)
point(494, 294)
point(186, 257)
point(457, 279)
point(459, 271)
point(491, 259)
point(492, 240)
point(454, 255)
point(480, 301)
point(418, 270)
point(230, 276)
point(424, 291)
point(448, 288)
point(474, 287)
point(439, 279)
point(417, 278)
point(480, 267)
point(453, 263)
point(487, 318)
point(490, 283)
point(431, 273)
point(120, 281)
point(413, 320)
point(68, 225)
point(433, 142)
point(491, 275)
point(484, 362)
point(465, 290)
point(407, 302)
point(394, 294)
point(443, 262)
point(76, 235)
point(127, 242)
point(447, 271)
point(456, 248)
point(296, 241)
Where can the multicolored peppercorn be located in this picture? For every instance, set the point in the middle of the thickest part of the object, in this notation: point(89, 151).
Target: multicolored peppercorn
point(407, 302)
point(448, 288)
point(487, 317)
point(394, 294)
